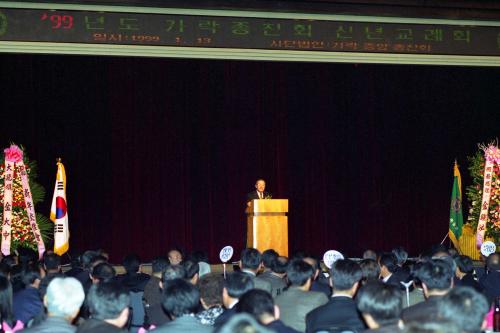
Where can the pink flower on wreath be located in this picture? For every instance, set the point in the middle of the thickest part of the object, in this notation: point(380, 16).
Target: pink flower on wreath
point(493, 154)
point(13, 154)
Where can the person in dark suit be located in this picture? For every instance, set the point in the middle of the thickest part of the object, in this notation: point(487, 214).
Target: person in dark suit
point(259, 303)
point(250, 264)
point(341, 310)
point(390, 272)
point(27, 303)
point(181, 300)
point(108, 304)
point(133, 279)
point(259, 193)
point(298, 300)
point(319, 282)
point(153, 293)
point(274, 271)
point(465, 273)
point(380, 305)
point(490, 281)
point(436, 277)
point(465, 307)
point(235, 285)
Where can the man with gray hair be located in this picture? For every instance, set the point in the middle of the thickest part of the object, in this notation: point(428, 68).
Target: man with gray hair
point(63, 300)
point(108, 304)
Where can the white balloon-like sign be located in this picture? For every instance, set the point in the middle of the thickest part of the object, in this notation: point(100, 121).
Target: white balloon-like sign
point(226, 253)
point(488, 248)
point(331, 256)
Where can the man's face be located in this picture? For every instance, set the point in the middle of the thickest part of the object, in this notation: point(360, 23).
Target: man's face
point(260, 185)
point(174, 257)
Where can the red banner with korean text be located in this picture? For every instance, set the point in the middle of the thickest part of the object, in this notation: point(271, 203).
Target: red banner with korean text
point(492, 156)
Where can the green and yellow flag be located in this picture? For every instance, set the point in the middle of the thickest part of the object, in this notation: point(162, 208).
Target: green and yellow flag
point(456, 217)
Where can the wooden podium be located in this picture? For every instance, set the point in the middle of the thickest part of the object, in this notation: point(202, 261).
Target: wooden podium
point(267, 225)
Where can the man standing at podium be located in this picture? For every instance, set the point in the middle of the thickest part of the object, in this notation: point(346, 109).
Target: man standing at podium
point(259, 192)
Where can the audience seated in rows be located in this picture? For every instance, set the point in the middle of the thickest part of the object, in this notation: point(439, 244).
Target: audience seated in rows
point(175, 298)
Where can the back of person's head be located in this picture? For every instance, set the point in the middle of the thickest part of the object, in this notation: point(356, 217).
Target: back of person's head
point(75, 260)
point(6, 313)
point(313, 261)
point(401, 255)
point(298, 272)
point(370, 254)
point(493, 262)
point(87, 257)
point(131, 263)
point(159, 264)
point(370, 270)
point(10, 260)
point(107, 300)
point(259, 303)
point(268, 258)
point(382, 301)
point(243, 323)
point(30, 274)
point(211, 286)
point(103, 272)
point(439, 250)
point(465, 307)
point(64, 297)
point(237, 283)
point(27, 256)
point(436, 274)
point(345, 273)
point(280, 265)
point(173, 272)
point(390, 261)
point(464, 264)
point(180, 298)
point(192, 268)
point(96, 260)
point(199, 256)
point(51, 261)
point(251, 258)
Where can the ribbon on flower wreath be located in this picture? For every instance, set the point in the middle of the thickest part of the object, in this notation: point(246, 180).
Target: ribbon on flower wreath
point(492, 156)
point(13, 158)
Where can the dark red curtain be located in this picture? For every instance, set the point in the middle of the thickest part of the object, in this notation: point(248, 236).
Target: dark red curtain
point(161, 152)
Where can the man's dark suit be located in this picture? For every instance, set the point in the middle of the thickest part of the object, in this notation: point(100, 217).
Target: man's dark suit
point(27, 304)
point(98, 326)
point(401, 274)
point(277, 284)
point(253, 195)
point(224, 317)
point(491, 284)
point(423, 311)
point(186, 324)
point(340, 311)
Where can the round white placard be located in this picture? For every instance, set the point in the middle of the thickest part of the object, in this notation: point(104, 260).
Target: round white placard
point(331, 256)
point(488, 248)
point(226, 253)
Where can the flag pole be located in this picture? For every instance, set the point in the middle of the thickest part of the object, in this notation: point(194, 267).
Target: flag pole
point(446, 236)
